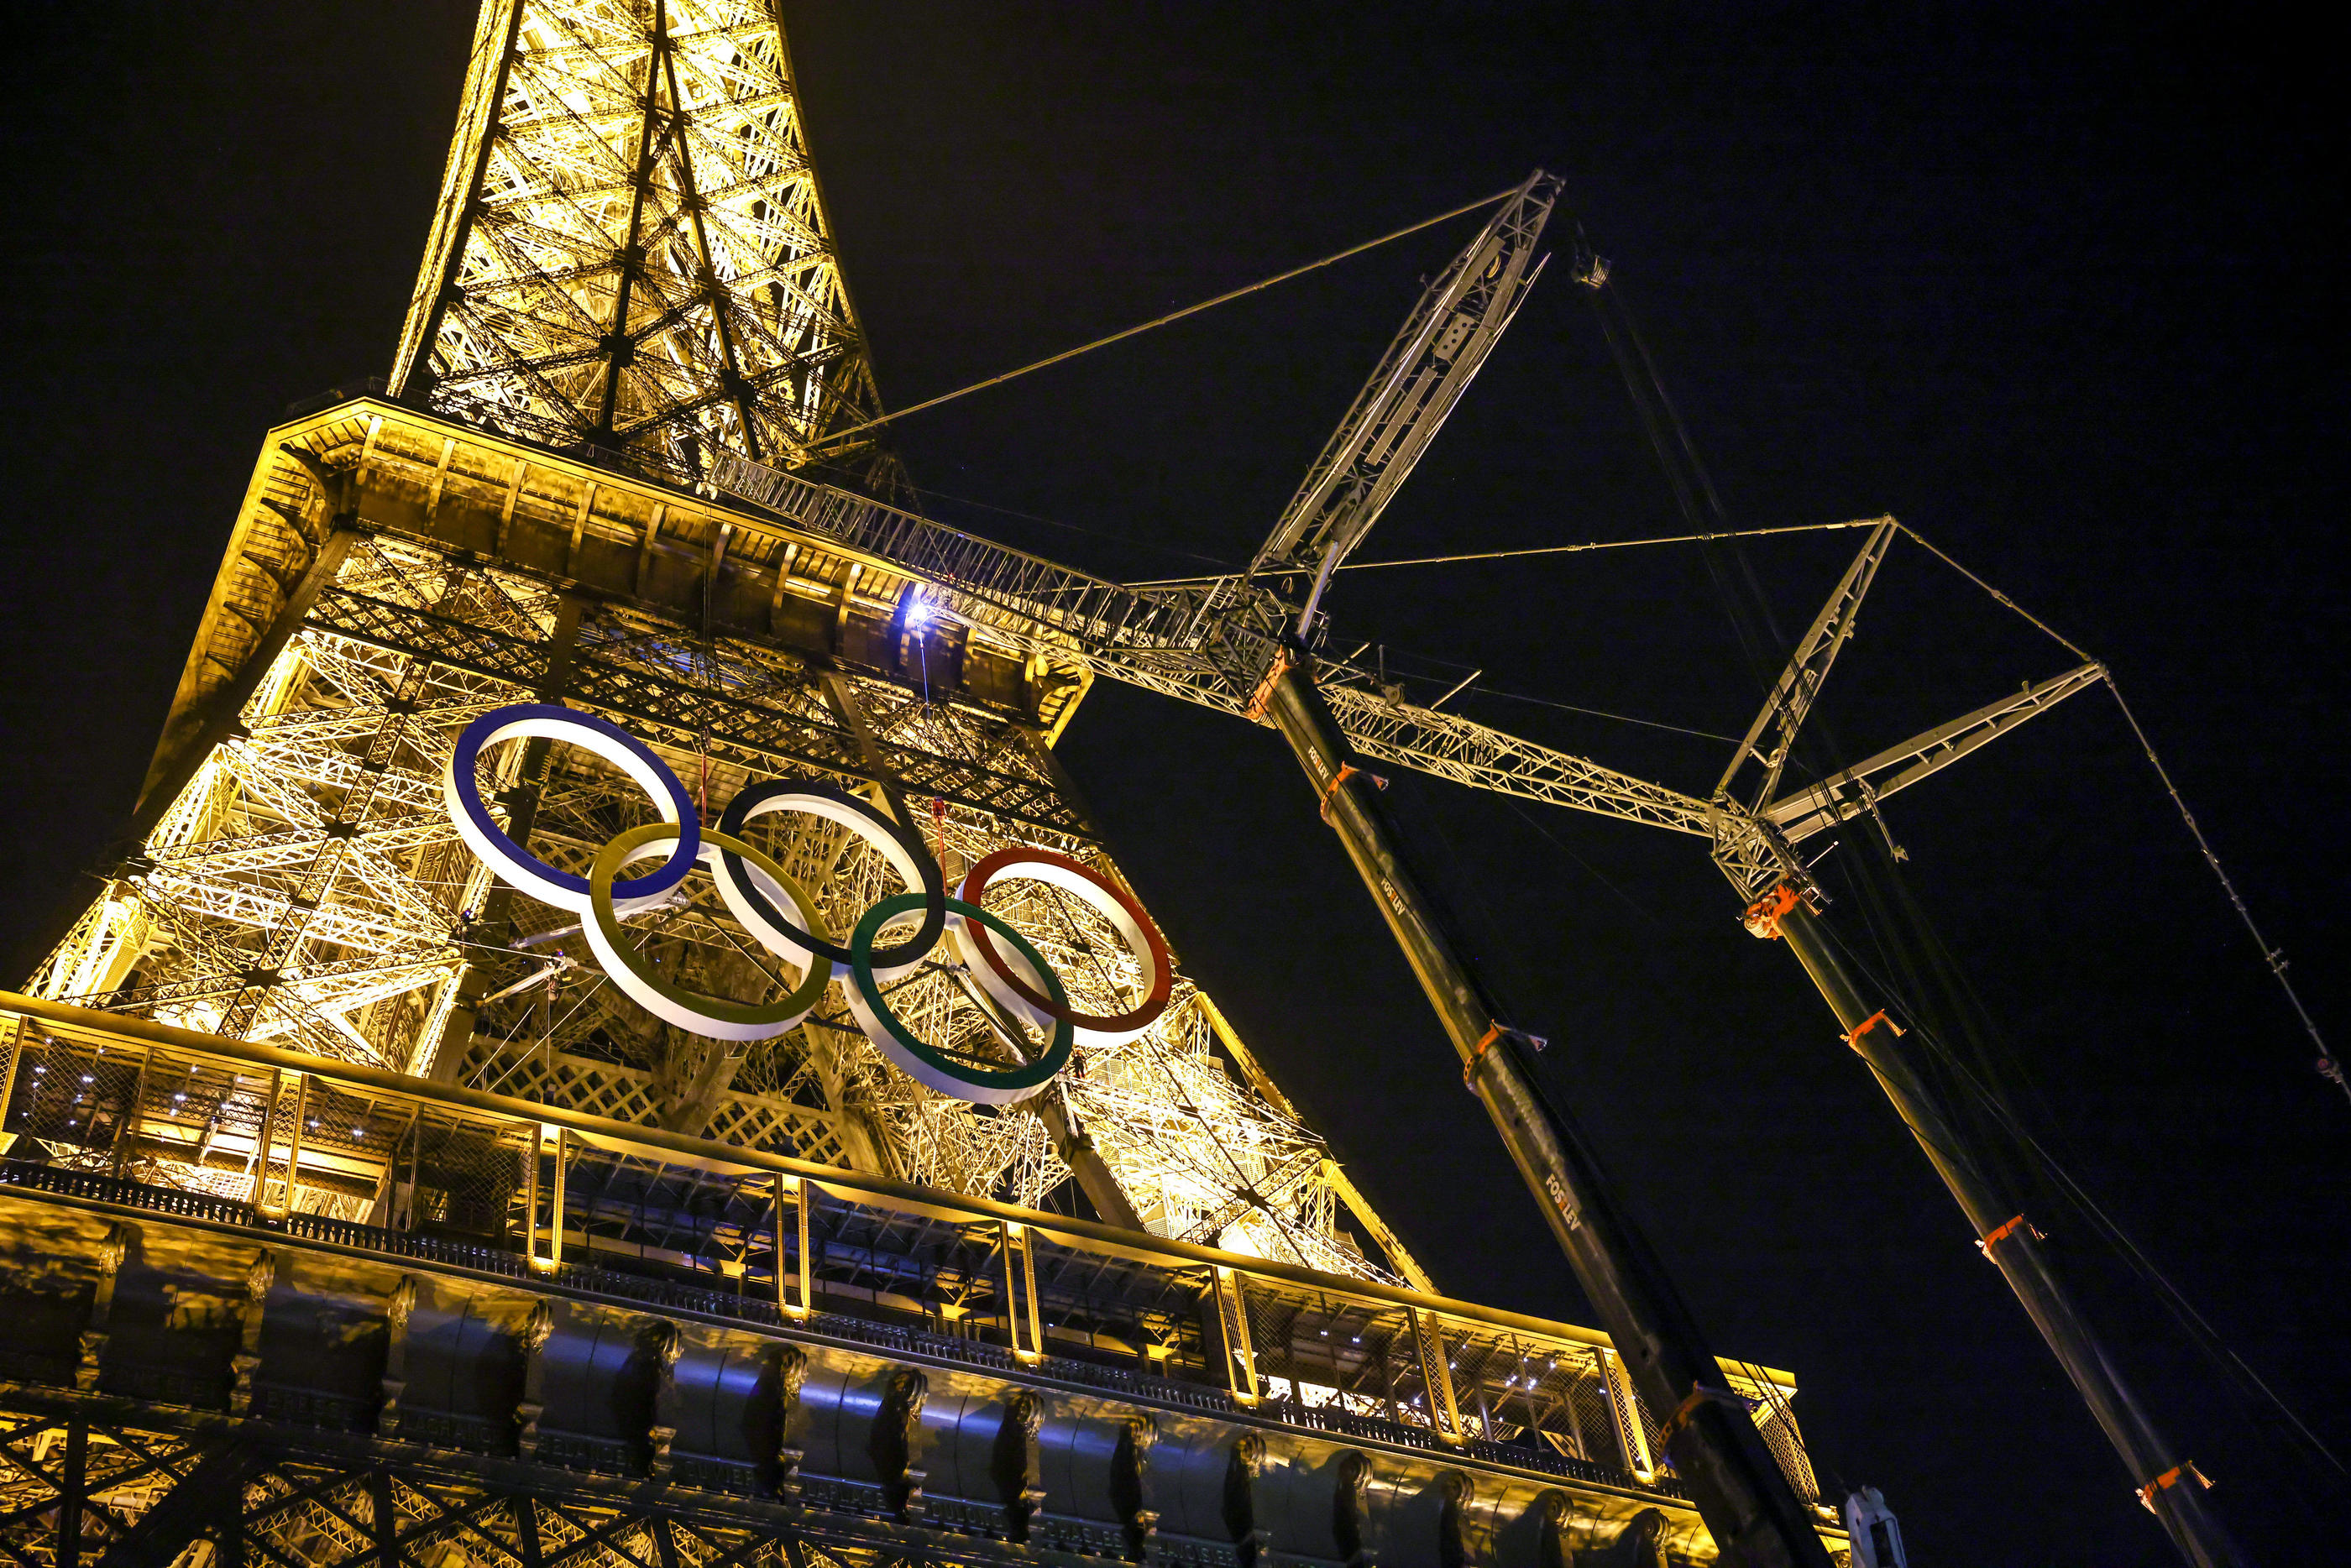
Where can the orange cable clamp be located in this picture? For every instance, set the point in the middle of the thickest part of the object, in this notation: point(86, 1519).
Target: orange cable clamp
point(1699, 1394)
point(1868, 1024)
point(1346, 770)
point(2171, 1477)
point(1255, 713)
point(1763, 915)
point(1477, 1053)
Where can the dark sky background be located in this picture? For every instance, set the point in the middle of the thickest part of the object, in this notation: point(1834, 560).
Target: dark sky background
point(2056, 285)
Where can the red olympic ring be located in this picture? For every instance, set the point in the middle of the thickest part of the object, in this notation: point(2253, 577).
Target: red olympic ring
point(1008, 982)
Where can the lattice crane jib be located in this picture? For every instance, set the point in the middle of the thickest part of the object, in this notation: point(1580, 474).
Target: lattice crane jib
point(630, 251)
point(1461, 316)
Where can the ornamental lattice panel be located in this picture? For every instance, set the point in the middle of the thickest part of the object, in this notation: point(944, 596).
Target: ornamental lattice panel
point(629, 251)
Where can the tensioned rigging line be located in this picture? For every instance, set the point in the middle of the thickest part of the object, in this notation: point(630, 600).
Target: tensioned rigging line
point(1564, 707)
point(1975, 1087)
point(1226, 569)
point(1685, 475)
point(1512, 555)
point(1561, 844)
point(2328, 1065)
point(1608, 544)
point(2198, 1328)
point(836, 437)
point(1684, 492)
point(1603, 713)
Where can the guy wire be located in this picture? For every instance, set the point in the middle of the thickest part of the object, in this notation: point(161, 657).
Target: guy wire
point(836, 437)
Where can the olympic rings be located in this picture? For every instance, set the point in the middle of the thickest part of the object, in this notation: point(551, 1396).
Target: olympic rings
point(782, 915)
point(830, 802)
point(547, 884)
point(1113, 903)
point(674, 1003)
point(917, 1059)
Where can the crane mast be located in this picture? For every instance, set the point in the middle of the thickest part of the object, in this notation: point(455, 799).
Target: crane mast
point(1748, 1507)
point(1792, 911)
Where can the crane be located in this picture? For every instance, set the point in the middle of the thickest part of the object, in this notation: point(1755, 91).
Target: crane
point(1249, 644)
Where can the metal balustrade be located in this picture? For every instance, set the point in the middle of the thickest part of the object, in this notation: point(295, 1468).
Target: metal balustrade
point(364, 1160)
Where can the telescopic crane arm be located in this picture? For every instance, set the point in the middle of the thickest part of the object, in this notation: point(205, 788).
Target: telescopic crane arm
point(1791, 912)
point(1237, 645)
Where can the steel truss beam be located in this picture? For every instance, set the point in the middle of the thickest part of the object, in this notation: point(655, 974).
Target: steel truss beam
point(730, 1338)
point(1792, 696)
point(1856, 790)
point(1461, 316)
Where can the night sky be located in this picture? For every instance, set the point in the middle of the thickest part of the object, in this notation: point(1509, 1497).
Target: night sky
point(2059, 288)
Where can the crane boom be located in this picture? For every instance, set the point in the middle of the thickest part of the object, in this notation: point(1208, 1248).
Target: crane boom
point(1847, 794)
point(1462, 314)
point(1792, 699)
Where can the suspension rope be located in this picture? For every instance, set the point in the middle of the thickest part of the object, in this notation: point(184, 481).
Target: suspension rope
point(1608, 544)
point(837, 436)
point(1226, 568)
point(1644, 383)
point(1596, 712)
point(2327, 1066)
point(2232, 1365)
point(1997, 595)
point(1547, 701)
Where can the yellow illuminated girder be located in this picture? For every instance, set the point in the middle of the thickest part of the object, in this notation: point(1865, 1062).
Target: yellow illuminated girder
point(300, 883)
point(629, 251)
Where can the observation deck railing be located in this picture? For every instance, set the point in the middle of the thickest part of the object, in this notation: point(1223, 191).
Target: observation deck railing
point(130, 1113)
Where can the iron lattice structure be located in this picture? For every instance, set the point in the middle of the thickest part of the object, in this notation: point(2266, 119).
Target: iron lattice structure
point(630, 252)
point(302, 885)
point(589, 486)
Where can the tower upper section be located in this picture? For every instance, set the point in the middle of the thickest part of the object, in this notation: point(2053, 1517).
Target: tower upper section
point(630, 252)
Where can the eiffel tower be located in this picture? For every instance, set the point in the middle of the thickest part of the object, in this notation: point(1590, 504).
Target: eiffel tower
point(356, 1214)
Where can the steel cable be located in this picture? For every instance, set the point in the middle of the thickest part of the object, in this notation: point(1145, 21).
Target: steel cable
point(835, 437)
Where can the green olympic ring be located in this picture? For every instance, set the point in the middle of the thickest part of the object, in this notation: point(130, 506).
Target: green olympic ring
point(916, 1057)
point(751, 884)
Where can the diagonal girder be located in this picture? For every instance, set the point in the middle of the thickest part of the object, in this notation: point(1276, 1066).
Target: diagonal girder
point(1460, 317)
point(1800, 684)
point(1851, 792)
point(630, 249)
point(1208, 644)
